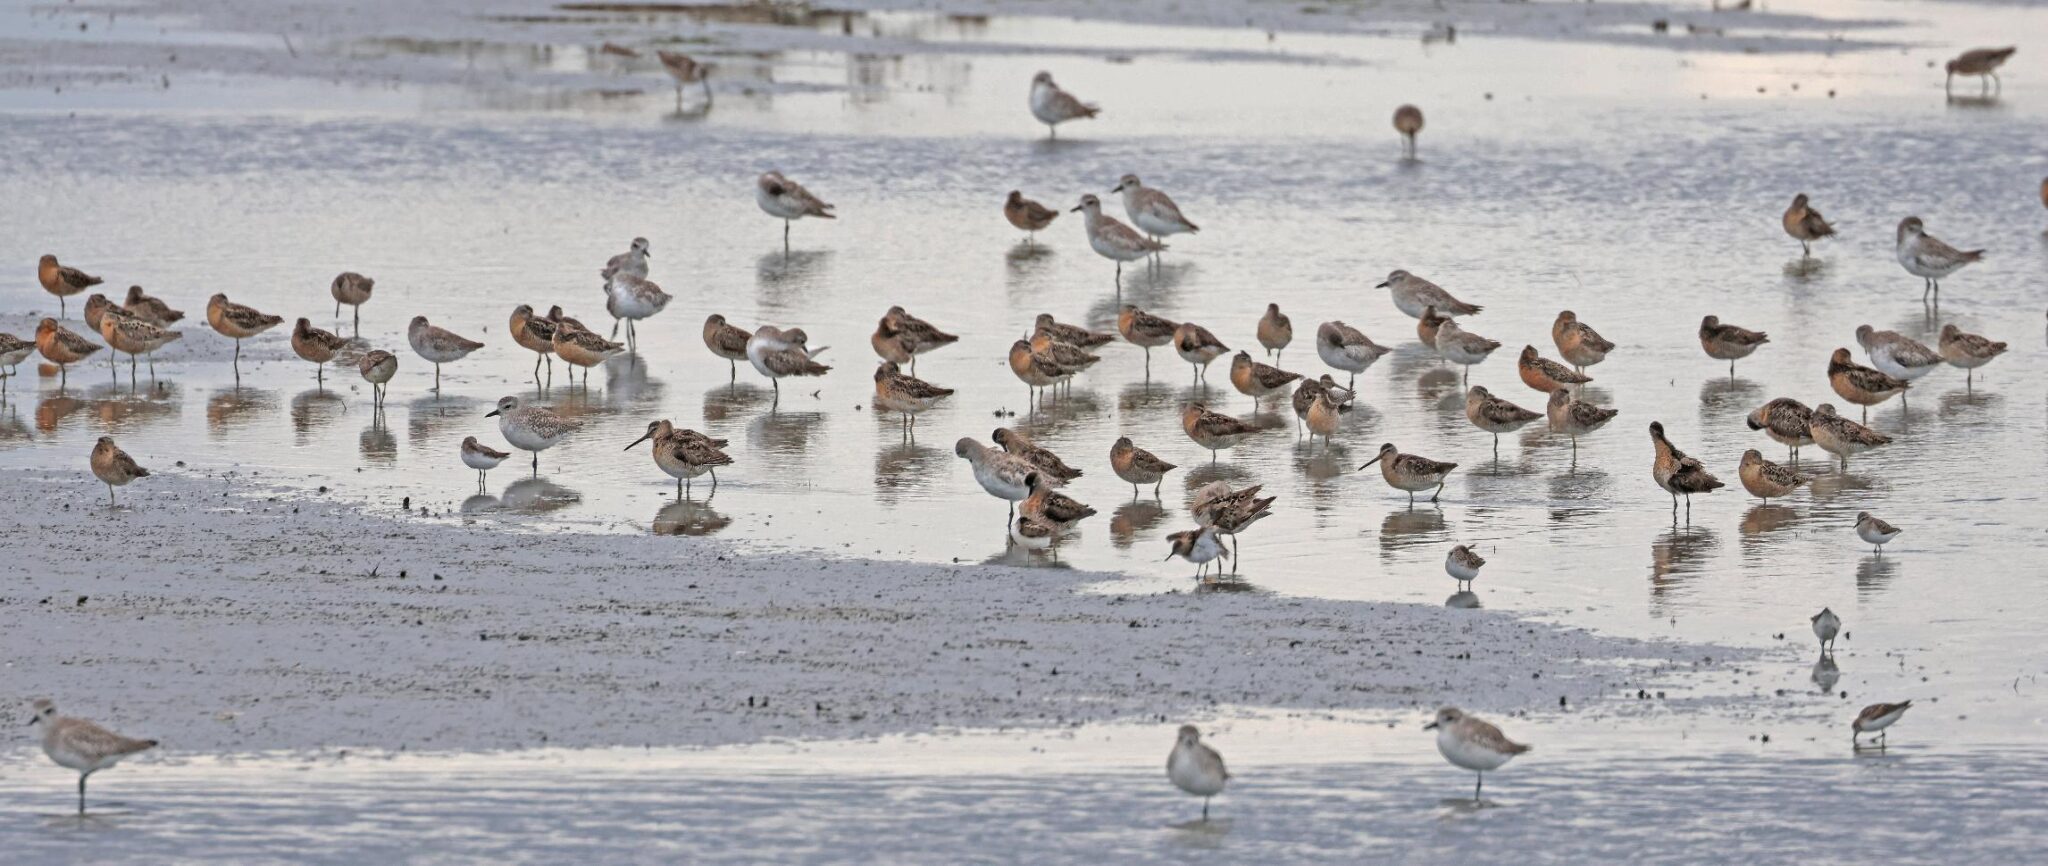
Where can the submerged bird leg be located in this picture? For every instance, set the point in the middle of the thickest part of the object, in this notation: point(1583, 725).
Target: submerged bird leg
point(1155, 489)
point(1478, 785)
point(1439, 491)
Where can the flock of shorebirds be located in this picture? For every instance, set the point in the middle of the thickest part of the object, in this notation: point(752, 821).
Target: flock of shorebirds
point(1027, 475)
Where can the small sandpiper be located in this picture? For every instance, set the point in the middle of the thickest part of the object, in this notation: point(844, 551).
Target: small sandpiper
point(1785, 420)
point(1728, 342)
point(1408, 122)
point(685, 70)
point(1200, 546)
point(1073, 335)
point(1152, 210)
point(1968, 351)
point(1840, 436)
point(777, 353)
point(1197, 346)
point(1927, 257)
point(684, 454)
point(237, 322)
point(1463, 566)
point(1005, 476)
point(76, 744)
point(901, 337)
point(1194, 767)
point(1806, 225)
point(630, 298)
point(1275, 331)
point(1475, 745)
point(125, 333)
point(1861, 385)
point(1825, 626)
point(1037, 370)
point(535, 334)
point(377, 367)
point(1874, 531)
point(1896, 354)
point(1047, 504)
point(905, 395)
point(1981, 62)
point(438, 345)
point(1413, 294)
point(1577, 343)
point(1546, 375)
point(1032, 533)
point(787, 200)
point(1495, 415)
point(1144, 330)
point(62, 281)
point(1346, 348)
point(1213, 430)
point(1258, 381)
point(1678, 473)
point(531, 428)
point(1574, 417)
point(1764, 479)
point(1463, 347)
point(1053, 106)
point(353, 289)
point(1137, 466)
point(1111, 239)
point(1411, 473)
point(62, 347)
point(581, 347)
point(1041, 458)
point(1323, 416)
point(1875, 718)
point(481, 458)
point(150, 308)
point(1028, 215)
point(316, 345)
point(632, 262)
point(113, 467)
point(727, 341)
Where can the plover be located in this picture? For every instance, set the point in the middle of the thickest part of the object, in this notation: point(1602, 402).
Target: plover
point(531, 428)
point(1028, 215)
point(113, 467)
point(76, 744)
point(1728, 342)
point(629, 298)
point(1137, 466)
point(1410, 473)
point(1805, 225)
point(438, 345)
point(1764, 479)
point(481, 458)
point(1408, 122)
point(1678, 473)
point(632, 262)
point(353, 289)
point(787, 200)
point(1874, 531)
point(1004, 476)
point(1577, 343)
point(62, 281)
point(1475, 745)
point(1111, 239)
point(1968, 351)
point(1463, 565)
point(1840, 436)
point(1195, 768)
point(1413, 294)
point(1927, 257)
point(1346, 348)
point(1053, 106)
point(1152, 210)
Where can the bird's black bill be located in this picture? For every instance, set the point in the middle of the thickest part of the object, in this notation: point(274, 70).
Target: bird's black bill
point(492, 414)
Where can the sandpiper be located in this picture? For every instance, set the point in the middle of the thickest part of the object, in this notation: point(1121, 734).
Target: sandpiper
point(1785, 420)
point(901, 337)
point(316, 345)
point(1197, 346)
point(1896, 354)
point(1213, 430)
point(1032, 533)
point(1728, 342)
point(97, 307)
point(1230, 511)
point(1005, 476)
point(1463, 565)
point(631, 299)
point(237, 322)
point(1927, 257)
point(125, 333)
point(1323, 416)
point(13, 351)
point(1678, 473)
point(1574, 417)
point(1876, 718)
point(1049, 505)
point(1200, 546)
point(1346, 348)
point(1840, 436)
point(1275, 331)
point(684, 454)
point(632, 262)
point(1041, 458)
point(76, 744)
point(1544, 374)
point(1968, 351)
point(113, 467)
point(1053, 106)
point(1426, 327)
point(1825, 626)
point(1411, 472)
point(905, 395)
point(1144, 330)
point(578, 346)
point(1981, 62)
point(1194, 767)
point(1111, 239)
point(535, 334)
point(1408, 122)
point(778, 353)
point(1073, 335)
point(1305, 395)
point(481, 458)
point(353, 289)
point(1764, 479)
point(1475, 745)
point(1258, 381)
point(1874, 531)
point(531, 428)
point(1137, 466)
point(1152, 210)
point(1861, 385)
point(1037, 370)
point(1495, 415)
point(726, 341)
point(1806, 225)
point(1413, 294)
point(1028, 215)
point(1074, 359)
point(1577, 342)
point(377, 367)
point(1463, 347)
point(150, 308)
point(438, 345)
point(62, 347)
point(787, 200)
point(685, 70)
point(62, 281)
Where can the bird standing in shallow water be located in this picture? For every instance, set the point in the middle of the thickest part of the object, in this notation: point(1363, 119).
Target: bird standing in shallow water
point(1840, 436)
point(1411, 473)
point(1463, 565)
point(1678, 473)
point(1785, 420)
point(1111, 239)
point(1275, 331)
point(481, 458)
point(1981, 62)
point(62, 347)
point(1728, 342)
point(788, 201)
point(1028, 215)
point(531, 428)
point(1137, 466)
point(1875, 531)
point(62, 281)
point(1577, 343)
point(1876, 718)
point(439, 345)
point(1199, 546)
point(1825, 626)
point(1195, 768)
point(1861, 385)
point(316, 345)
point(1929, 258)
point(1805, 225)
point(1967, 350)
point(1764, 479)
point(1475, 745)
point(377, 367)
point(237, 322)
point(80, 745)
point(1408, 122)
point(353, 289)
point(1574, 417)
point(1053, 106)
point(686, 70)
point(150, 308)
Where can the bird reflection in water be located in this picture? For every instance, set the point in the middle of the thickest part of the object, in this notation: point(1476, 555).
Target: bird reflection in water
point(1412, 528)
point(1874, 574)
point(733, 399)
point(313, 409)
point(1675, 555)
point(1721, 397)
point(1765, 519)
point(377, 443)
point(907, 469)
point(482, 503)
point(786, 280)
point(1463, 599)
point(52, 410)
point(538, 496)
point(237, 405)
point(1969, 406)
point(689, 517)
point(1133, 522)
point(435, 416)
point(1202, 474)
point(784, 433)
point(1826, 674)
point(627, 384)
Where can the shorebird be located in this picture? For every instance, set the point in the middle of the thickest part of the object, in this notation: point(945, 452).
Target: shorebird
point(1005, 476)
point(1073, 335)
point(125, 333)
point(531, 428)
point(1577, 343)
point(1678, 473)
point(1896, 354)
point(1213, 430)
point(1413, 294)
point(1230, 511)
point(77, 744)
point(1258, 381)
point(1728, 342)
point(1028, 215)
point(1840, 436)
point(1042, 459)
point(1323, 416)
point(13, 351)
point(113, 467)
point(1411, 472)
point(1861, 385)
point(237, 322)
point(1053, 106)
point(316, 345)
point(726, 341)
point(1032, 533)
point(1981, 62)
point(1544, 374)
point(1874, 531)
point(1785, 420)
point(1199, 546)
point(1194, 767)
point(62, 281)
point(901, 337)
point(685, 70)
point(1574, 417)
point(1806, 225)
point(684, 454)
point(1275, 331)
point(1305, 395)
point(150, 308)
point(630, 298)
point(1408, 122)
point(1463, 347)
point(578, 346)
point(535, 334)
point(1426, 327)
point(1475, 745)
point(1346, 348)
point(481, 458)
point(1495, 415)
point(439, 345)
point(62, 347)
point(905, 395)
point(1876, 718)
point(1137, 466)
point(377, 367)
point(1049, 505)
point(1764, 479)
point(1111, 239)
point(353, 289)
point(632, 262)
point(1037, 370)
point(1825, 626)
point(1927, 257)
point(1144, 330)
point(1463, 565)
point(787, 200)
point(1152, 210)
point(1968, 351)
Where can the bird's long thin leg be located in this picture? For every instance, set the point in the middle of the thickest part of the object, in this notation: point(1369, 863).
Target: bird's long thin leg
point(81, 792)
point(1476, 786)
point(1439, 491)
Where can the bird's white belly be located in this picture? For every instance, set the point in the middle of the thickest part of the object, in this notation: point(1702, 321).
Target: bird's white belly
point(1871, 535)
point(1881, 722)
point(1189, 775)
point(998, 486)
point(524, 439)
point(1042, 106)
point(67, 758)
point(1460, 570)
point(778, 206)
point(1114, 251)
point(1335, 356)
point(479, 461)
point(1469, 755)
point(1409, 303)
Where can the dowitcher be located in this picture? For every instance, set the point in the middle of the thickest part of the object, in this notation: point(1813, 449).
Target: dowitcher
point(113, 467)
point(1005, 476)
point(353, 289)
point(1426, 327)
point(1152, 210)
point(632, 262)
point(1876, 718)
point(1053, 106)
point(1230, 511)
point(1411, 473)
point(1967, 350)
point(578, 346)
point(76, 744)
point(1049, 505)
point(1213, 430)
point(631, 299)
point(1764, 479)
point(62, 281)
point(1874, 531)
point(1195, 768)
point(1200, 546)
point(1258, 381)
point(439, 345)
point(1137, 466)
point(1544, 374)
point(1495, 415)
point(1275, 331)
point(1323, 417)
point(1073, 335)
point(1305, 394)
point(1728, 342)
point(535, 334)
point(1408, 122)
point(1413, 294)
point(1037, 370)
point(685, 70)
point(1463, 565)
point(1145, 330)
point(237, 322)
point(1806, 225)
point(905, 395)
point(1346, 348)
point(1826, 625)
point(531, 428)
point(1475, 745)
point(1840, 436)
point(1111, 239)
point(684, 454)
point(1927, 257)
point(1463, 347)
point(1785, 420)
point(481, 458)
point(1577, 343)
point(150, 308)
point(1574, 417)
point(1028, 215)
point(1678, 473)
point(377, 367)
point(13, 351)
point(62, 347)
point(787, 200)
point(125, 333)
point(726, 341)
point(1861, 385)
point(1896, 354)
point(1981, 62)
point(901, 337)
point(1041, 458)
